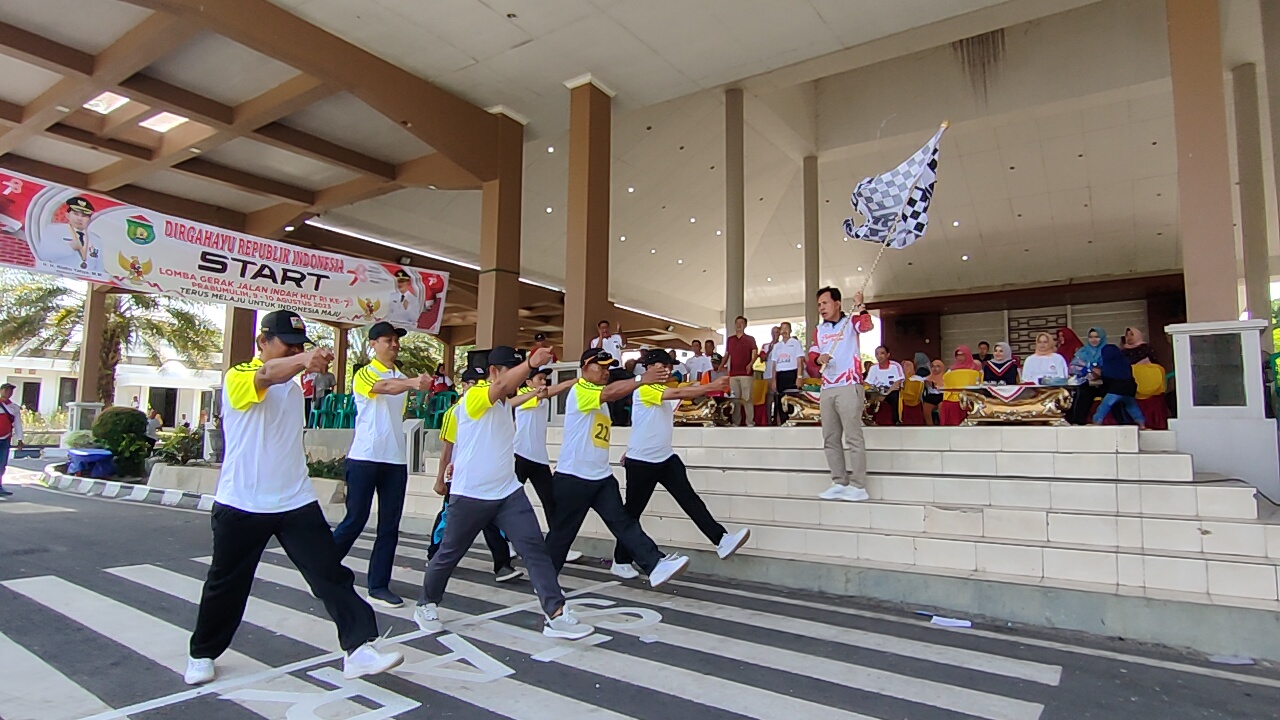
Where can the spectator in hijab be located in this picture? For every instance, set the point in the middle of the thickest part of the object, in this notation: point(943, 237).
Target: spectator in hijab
point(1001, 368)
point(1135, 348)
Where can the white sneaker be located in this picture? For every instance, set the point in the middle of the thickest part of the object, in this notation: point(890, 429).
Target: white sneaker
point(572, 556)
point(668, 568)
point(369, 660)
point(427, 618)
point(199, 671)
point(566, 626)
point(511, 549)
point(835, 492)
point(854, 494)
point(626, 572)
point(730, 543)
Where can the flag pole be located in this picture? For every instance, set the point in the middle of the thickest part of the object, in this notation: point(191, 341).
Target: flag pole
point(884, 245)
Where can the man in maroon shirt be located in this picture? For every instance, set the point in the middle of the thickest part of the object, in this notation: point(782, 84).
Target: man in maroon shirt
point(739, 355)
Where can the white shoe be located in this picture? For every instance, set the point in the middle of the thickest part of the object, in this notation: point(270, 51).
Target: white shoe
point(854, 494)
point(730, 543)
point(511, 549)
point(369, 660)
point(427, 618)
point(668, 568)
point(566, 626)
point(835, 492)
point(572, 556)
point(508, 573)
point(626, 572)
point(199, 671)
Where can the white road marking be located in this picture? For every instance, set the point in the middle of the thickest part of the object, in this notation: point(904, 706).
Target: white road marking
point(34, 690)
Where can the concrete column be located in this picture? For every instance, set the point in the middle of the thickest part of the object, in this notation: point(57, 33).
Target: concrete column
point(1253, 196)
point(499, 293)
point(95, 322)
point(238, 334)
point(1271, 59)
point(735, 255)
point(448, 359)
point(341, 347)
point(810, 244)
point(1204, 176)
point(586, 281)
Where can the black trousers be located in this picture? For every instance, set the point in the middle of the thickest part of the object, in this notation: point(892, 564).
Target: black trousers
point(364, 478)
point(493, 538)
point(786, 381)
point(239, 539)
point(643, 477)
point(539, 476)
point(574, 497)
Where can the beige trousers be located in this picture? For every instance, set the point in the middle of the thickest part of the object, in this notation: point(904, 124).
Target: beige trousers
point(841, 414)
point(742, 387)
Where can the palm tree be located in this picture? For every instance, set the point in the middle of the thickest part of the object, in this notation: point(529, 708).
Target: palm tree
point(41, 312)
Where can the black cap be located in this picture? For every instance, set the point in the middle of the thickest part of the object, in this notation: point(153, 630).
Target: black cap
point(9, 386)
point(544, 370)
point(80, 205)
point(539, 337)
point(657, 356)
point(505, 356)
point(384, 328)
point(402, 275)
point(472, 375)
point(598, 356)
point(286, 325)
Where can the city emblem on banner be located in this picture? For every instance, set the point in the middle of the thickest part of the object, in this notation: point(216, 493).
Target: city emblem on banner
point(140, 230)
point(135, 270)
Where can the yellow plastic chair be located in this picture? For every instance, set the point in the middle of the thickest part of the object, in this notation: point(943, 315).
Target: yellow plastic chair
point(959, 379)
point(911, 394)
point(1150, 379)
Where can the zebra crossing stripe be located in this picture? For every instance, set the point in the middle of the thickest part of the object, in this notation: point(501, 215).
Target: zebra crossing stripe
point(501, 694)
point(34, 690)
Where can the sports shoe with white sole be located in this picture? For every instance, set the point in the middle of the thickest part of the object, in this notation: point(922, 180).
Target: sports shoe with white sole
point(566, 626)
point(369, 660)
point(511, 549)
point(854, 494)
point(385, 598)
point(624, 571)
point(668, 568)
point(199, 671)
point(835, 492)
point(572, 556)
point(508, 573)
point(730, 543)
point(427, 618)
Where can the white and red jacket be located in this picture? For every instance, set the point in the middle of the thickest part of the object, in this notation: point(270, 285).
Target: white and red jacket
point(839, 339)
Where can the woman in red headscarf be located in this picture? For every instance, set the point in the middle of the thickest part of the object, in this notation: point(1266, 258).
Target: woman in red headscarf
point(964, 372)
point(1068, 343)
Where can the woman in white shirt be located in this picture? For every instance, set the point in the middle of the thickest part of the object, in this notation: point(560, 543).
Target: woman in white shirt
point(785, 362)
point(1045, 364)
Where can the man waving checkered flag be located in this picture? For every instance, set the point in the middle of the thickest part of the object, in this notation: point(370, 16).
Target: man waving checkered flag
point(895, 205)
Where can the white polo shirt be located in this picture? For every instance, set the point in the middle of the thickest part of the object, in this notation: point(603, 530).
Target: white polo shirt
point(884, 377)
point(698, 364)
point(379, 417)
point(584, 453)
point(786, 355)
point(613, 344)
point(531, 430)
point(484, 451)
point(264, 468)
point(652, 419)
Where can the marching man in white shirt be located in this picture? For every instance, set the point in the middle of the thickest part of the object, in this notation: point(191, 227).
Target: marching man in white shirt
point(651, 461)
point(532, 463)
point(837, 354)
point(376, 462)
point(264, 492)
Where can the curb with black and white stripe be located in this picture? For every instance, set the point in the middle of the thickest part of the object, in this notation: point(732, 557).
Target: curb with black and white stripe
point(57, 480)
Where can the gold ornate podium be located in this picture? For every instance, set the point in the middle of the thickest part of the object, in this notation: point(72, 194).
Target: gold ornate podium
point(1015, 404)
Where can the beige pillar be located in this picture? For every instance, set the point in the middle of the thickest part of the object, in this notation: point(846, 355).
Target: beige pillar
point(1204, 177)
point(238, 334)
point(449, 352)
point(810, 244)
point(1271, 58)
point(499, 292)
point(735, 255)
point(1253, 195)
point(586, 281)
point(341, 347)
point(95, 322)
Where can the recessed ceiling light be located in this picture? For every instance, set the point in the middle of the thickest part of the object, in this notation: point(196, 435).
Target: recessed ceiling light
point(846, 239)
point(105, 103)
point(653, 251)
point(432, 187)
point(548, 211)
point(680, 262)
point(718, 232)
point(964, 257)
point(693, 220)
point(62, 108)
point(859, 269)
point(551, 148)
point(955, 223)
point(768, 279)
point(194, 150)
point(622, 239)
point(798, 246)
point(288, 228)
point(631, 189)
point(163, 122)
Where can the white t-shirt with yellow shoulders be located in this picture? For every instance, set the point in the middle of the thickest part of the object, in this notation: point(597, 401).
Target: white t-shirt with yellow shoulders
point(484, 450)
point(379, 433)
point(584, 452)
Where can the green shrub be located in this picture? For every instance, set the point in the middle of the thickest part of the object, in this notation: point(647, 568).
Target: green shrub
point(181, 446)
point(335, 469)
point(79, 439)
point(123, 431)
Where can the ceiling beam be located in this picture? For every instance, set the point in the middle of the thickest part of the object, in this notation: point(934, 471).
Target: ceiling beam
point(270, 222)
point(43, 52)
point(150, 40)
point(449, 124)
point(240, 180)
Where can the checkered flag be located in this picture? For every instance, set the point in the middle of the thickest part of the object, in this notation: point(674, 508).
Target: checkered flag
point(896, 204)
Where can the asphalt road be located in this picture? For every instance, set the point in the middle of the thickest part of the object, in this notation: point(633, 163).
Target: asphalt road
point(97, 598)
